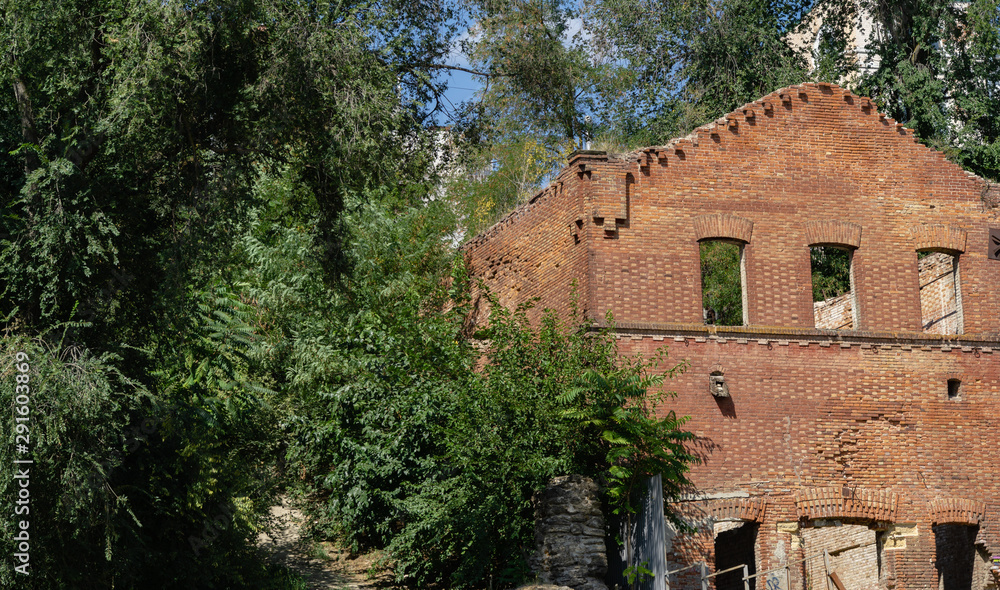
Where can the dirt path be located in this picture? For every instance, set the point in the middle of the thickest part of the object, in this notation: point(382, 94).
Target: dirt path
point(323, 565)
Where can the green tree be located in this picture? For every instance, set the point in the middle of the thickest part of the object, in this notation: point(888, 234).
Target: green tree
point(548, 90)
point(138, 145)
point(831, 272)
point(937, 63)
point(617, 73)
point(721, 282)
point(137, 131)
point(694, 61)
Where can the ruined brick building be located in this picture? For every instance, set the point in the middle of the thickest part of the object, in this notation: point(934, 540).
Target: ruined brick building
point(877, 442)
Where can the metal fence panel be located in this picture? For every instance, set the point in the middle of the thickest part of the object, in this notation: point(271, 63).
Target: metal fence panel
point(647, 539)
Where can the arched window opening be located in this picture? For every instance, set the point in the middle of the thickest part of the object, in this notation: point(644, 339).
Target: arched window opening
point(940, 293)
point(834, 302)
point(723, 283)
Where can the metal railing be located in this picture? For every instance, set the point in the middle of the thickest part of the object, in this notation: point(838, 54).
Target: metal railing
point(705, 576)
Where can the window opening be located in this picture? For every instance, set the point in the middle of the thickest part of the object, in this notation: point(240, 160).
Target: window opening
point(940, 293)
point(734, 546)
point(834, 303)
point(953, 388)
point(723, 284)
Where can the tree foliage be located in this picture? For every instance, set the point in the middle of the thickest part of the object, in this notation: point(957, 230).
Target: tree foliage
point(721, 282)
point(694, 61)
point(831, 272)
point(937, 63)
point(138, 145)
point(404, 445)
point(617, 74)
point(136, 131)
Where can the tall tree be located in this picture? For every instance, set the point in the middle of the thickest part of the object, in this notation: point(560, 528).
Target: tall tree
point(545, 84)
point(622, 73)
point(136, 131)
point(136, 141)
point(693, 61)
point(937, 66)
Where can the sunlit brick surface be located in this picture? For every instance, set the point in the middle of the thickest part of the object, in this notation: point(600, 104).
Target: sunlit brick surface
point(865, 411)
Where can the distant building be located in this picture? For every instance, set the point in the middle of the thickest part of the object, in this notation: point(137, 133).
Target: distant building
point(867, 448)
point(860, 36)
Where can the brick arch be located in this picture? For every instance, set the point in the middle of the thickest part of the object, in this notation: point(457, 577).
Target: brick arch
point(724, 226)
point(940, 238)
point(845, 502)
point(956, 511)
point(749, 509)
point(832, 232)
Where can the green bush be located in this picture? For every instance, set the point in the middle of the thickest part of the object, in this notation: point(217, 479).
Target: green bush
point(128, 489)
point(402, 443)
point(79, 412)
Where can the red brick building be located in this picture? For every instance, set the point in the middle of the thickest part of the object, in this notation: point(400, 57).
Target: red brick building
point(878, 443)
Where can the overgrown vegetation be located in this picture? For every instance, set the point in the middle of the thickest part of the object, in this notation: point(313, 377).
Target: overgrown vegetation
point(403, 444)
point(721, 282)
point(831, 272)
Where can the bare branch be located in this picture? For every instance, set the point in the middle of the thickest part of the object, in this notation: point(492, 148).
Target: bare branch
point(460, 69)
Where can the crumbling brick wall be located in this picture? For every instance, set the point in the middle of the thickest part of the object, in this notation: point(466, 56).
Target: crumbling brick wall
point(867, 410)
point(834, 313)
point(853, 555)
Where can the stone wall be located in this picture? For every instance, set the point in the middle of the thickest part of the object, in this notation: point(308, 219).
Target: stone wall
point(569, 534)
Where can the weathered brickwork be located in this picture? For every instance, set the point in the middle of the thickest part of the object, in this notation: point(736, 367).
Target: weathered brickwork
point(939, 310)
point(835, 313)
point(866, 412)
point(852, 553)
point(938, 302)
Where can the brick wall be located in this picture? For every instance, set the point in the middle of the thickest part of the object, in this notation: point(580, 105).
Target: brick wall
point(853, 556)
point(834, 313)
point(938, 303)
point(864, 410)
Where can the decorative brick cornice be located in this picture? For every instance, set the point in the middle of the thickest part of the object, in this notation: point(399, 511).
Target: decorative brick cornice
point(957, 511)
point(942, 238)
point(751, 509)
point(976, 344)
point(834, 233)
point(723, 226)
point(845, 502)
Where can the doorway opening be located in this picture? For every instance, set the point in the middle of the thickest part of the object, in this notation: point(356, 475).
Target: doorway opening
point(735, 543)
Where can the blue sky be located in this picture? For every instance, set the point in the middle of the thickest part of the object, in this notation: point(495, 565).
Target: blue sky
point(462, 86)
